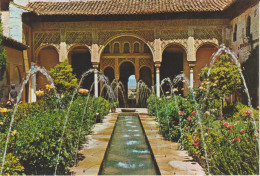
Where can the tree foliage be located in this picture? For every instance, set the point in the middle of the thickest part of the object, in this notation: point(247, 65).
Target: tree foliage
point(3, 63)
point(63, 77)
point(224, 77)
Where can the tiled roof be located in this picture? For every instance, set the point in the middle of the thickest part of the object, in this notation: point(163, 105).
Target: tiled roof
point(9, 42)
point(127, 7)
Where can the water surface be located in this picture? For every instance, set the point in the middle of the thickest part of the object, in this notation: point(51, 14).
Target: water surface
point(128, 152)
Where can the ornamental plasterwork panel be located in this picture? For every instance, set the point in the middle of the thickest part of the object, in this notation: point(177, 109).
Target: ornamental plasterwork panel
point(181, 42)
point(107, 62)
point(174, 34)
point(146, 62)
point(79, 37)
point(45, 38)
point(103, 36)
point(199, 43)
point(121, 60)
point(208, 33)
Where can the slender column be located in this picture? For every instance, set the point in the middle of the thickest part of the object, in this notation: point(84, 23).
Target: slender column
point(63, 52)
point(191, 75)
point(157, 65)
point(33, 85)
point(96, 80)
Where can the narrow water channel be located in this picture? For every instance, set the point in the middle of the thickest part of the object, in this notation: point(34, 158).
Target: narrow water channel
point(128, 152)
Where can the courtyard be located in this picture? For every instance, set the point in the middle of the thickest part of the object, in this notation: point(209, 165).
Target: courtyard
point(129, 87)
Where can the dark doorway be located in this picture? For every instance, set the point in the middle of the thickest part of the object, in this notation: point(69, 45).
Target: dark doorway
point(109, 73)
point(126, 70)
point(146, 76)
point(81, 62)
point(172, 65)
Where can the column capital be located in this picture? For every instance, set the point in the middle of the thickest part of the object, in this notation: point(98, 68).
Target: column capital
point(95, 65)
point(157, 64)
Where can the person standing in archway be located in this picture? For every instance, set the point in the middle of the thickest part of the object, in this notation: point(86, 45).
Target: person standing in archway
point(13, 95)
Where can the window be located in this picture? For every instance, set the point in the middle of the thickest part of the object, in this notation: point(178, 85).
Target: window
point(248, 25)
point(235, 33)
point(116, 48)
point(106, 50)
point(146, 49)
point(136, 48)
point(126, 48)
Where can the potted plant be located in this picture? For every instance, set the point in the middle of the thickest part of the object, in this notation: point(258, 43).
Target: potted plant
point(114, 105)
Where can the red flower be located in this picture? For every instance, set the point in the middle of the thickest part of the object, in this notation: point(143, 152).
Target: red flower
point(233, 126)
point(180, 113)
point(257, 130)
point(196, 144)
point(67, 88)
point(189, 118)
point(196, 140)
point(229, 127)
point(5, 138)
point(222, 114)
point(226, 124)
point(216, 129)
point(242, 131)
point(248, 112)
point(185, 128)
point(238, 139)
point(193, 113)
point(234, 140)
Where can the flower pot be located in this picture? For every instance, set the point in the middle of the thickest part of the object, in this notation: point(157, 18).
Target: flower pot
point(113, 110)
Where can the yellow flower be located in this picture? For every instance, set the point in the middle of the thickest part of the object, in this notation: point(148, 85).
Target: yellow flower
point(175, 90)
point(167, 92)
point(182, 89)
point(14, 132)
point(3, 110)
point(1, 123)
point(183, 81)
point(202, 84)
point(201, 88)
point(48, 87)
point(97, 114)
point(168, 97)
point(39, 93)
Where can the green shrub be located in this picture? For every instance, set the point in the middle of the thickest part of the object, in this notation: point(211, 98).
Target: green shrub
point(63, 77)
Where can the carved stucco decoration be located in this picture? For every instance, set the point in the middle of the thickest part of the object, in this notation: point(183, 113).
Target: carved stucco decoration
point(45, 38)
point(107, 62)
point(121, 60)
point(213, 33)
point(174, 34)
point(181, 42)
point(79, 38)
point(146, 63)
point(199, 43)
point(104, 36)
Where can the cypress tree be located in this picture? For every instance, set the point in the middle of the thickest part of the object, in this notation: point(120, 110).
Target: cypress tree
point(3, 63)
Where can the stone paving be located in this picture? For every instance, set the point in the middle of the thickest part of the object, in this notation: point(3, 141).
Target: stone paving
point(170, 160)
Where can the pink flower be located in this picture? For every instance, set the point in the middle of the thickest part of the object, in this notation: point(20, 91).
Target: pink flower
point(180, 113)
point(189, 118)
point(258, 130)
point(248, 112)
point(242, 131)
point(234, 140)
point(226, 124)
point(229, 127)
point(193, 113)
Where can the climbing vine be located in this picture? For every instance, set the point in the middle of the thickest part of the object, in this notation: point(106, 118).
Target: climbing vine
point(3, 63)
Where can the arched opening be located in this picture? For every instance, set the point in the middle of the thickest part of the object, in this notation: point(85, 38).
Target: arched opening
point(173, 59)
point(109, 73)
point(17, 76)
point(126, 54)
point(126, 70)
point(235, 33)
point(248, 26)
point(48, 58)
point(146, 76)
point(80, 60)
point(203, 58)
point(136, 48)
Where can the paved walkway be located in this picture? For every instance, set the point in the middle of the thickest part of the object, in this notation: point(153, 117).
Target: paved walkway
point(170, 160)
